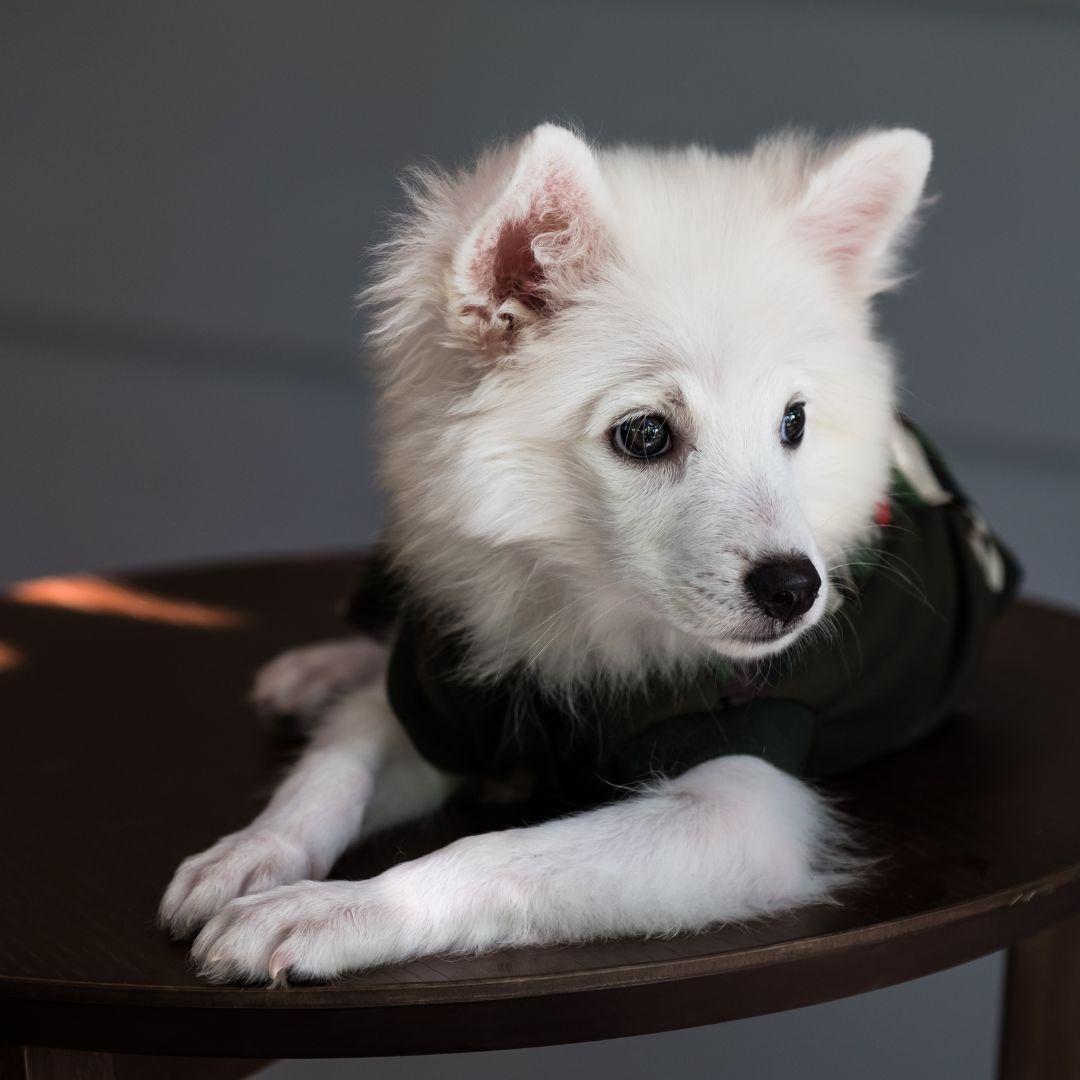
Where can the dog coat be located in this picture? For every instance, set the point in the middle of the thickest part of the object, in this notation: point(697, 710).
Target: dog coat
point(908, 636)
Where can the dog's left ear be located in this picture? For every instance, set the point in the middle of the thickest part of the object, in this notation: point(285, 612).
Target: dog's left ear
point(860, 204)
point(537, 239)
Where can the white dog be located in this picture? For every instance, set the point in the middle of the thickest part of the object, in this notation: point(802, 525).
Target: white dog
point(634, 420)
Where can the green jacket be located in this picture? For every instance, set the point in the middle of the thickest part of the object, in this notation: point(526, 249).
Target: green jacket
point(911, 633)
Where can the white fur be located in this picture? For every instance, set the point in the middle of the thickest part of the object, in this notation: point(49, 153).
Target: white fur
point(322, 807)
point(715, 280)
point(730, 839)
point(521, 311)
point(303, 683)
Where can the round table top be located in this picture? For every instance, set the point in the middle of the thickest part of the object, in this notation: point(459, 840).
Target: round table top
point(129, 744)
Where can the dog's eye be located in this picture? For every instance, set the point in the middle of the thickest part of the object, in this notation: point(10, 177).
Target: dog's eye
point(643, 437)
point(793, 424)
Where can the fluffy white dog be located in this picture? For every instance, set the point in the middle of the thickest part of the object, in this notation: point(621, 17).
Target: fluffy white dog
point(635, 421)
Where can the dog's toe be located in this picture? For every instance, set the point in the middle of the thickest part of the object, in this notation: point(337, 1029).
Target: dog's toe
point(250, 861)
point(310, 930)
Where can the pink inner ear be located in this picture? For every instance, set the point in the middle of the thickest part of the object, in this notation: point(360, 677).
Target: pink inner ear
point(514, 269)
point(544, 228)
point(855, 226)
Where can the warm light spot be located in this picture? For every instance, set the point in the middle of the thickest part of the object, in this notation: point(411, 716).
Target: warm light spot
point(97, 596)
point(10, 657)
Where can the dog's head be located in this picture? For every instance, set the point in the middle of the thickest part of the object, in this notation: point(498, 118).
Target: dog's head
point(642, 384)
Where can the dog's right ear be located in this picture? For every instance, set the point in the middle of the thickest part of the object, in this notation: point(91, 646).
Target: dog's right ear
point(539, 238)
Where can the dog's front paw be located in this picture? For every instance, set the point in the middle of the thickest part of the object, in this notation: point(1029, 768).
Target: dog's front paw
point(248, 861)
point(299, 685)
point(310, 930)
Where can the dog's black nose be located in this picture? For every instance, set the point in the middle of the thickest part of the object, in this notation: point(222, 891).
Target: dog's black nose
point(784, 588)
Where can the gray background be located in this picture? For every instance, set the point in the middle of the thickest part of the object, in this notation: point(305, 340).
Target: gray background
point(188, 191)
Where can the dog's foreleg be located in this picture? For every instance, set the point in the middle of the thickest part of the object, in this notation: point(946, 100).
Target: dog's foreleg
point(728, 840)
point(360, 771)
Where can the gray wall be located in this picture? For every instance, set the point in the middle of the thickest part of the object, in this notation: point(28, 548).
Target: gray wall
point(932, 1029)
point(188, 190)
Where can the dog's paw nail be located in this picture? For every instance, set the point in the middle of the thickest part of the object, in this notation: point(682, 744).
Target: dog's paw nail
point(309, 930)
point(280, 963)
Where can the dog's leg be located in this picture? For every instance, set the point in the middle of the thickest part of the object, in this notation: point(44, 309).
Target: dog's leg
point(360, 767)
point(730, 839)
point(298, 686)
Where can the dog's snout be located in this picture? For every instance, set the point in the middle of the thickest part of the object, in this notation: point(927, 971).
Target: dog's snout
point(785, 587)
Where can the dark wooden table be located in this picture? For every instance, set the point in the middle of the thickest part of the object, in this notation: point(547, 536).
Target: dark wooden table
point(128, 744)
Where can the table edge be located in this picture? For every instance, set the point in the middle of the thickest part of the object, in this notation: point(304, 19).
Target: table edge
point(503, 987)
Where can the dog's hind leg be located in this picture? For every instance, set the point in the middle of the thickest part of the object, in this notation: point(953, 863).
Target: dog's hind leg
point(359, 773)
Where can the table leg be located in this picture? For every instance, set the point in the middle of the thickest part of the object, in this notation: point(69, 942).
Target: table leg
point(1040, 1035)
point(44, 1063)
point(41, 1063)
